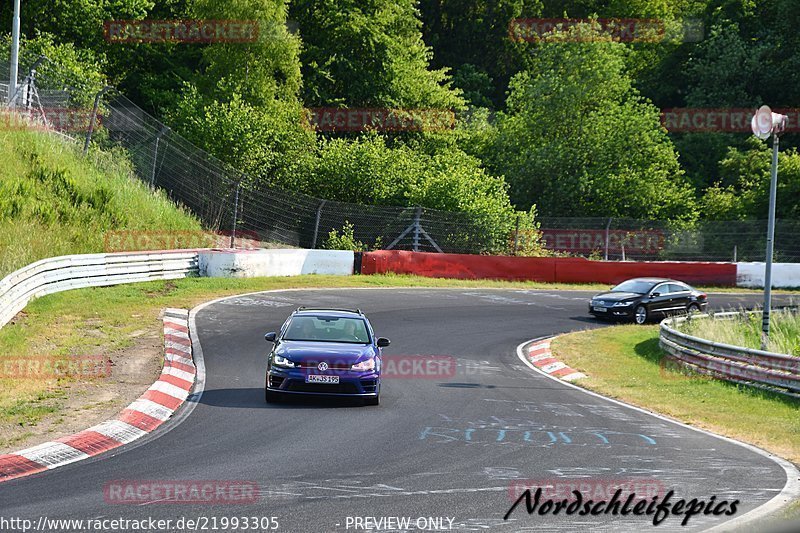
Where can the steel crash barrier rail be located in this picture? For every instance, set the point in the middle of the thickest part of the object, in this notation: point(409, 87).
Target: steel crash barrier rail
point(67, 272)
point(767, 370)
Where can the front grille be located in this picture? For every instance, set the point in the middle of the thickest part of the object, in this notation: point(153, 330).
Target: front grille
point(341, 388)
point(338, 365)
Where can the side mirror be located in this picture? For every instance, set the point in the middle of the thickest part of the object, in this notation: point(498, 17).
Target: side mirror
point(271, 336)
point(383, 342)
point(655, 295)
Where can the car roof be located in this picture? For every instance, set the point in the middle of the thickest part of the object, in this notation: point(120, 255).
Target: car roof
point(305, 311)
point(660, 280)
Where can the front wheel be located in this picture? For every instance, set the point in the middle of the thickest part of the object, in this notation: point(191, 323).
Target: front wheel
point(640, 315)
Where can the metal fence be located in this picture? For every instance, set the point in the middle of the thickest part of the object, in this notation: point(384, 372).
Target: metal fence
point(652, 240)
point(225, 199)
point(774, 371)
point(67, 272)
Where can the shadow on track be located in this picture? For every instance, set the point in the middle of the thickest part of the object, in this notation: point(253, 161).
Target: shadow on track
point(253, 398)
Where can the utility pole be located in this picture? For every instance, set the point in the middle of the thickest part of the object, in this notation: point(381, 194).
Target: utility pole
point(12, 82)
point(764, 124)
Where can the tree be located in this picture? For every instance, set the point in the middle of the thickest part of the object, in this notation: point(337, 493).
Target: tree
point(260, 72)
point(578, 139)
point(78, 71)
point(77, 22)
point(366, 170)
point(724, 70)
point(368, 54)
point(743, 190)
point(472, 37)
point(268, 143)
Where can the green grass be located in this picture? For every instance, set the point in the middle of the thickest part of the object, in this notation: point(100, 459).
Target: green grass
point(625, 362)
point(55, 202)
point(745, 330)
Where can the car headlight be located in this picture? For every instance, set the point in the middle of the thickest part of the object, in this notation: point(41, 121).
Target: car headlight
point(622, 304)
point(282, 361)
point(364, 366)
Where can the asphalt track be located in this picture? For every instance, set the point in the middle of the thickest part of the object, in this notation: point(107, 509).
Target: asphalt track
point(444, 447)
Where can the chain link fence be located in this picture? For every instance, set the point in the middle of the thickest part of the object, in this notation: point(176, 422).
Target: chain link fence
point(649, 240)
point(226, 200)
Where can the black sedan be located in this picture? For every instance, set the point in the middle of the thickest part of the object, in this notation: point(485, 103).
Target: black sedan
point(642, 299)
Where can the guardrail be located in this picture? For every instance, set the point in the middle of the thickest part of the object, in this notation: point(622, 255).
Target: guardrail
point(757, 368)
point(90, 270)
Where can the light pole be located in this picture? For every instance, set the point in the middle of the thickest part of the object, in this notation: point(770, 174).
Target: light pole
point(764, 124)
point(12, 80)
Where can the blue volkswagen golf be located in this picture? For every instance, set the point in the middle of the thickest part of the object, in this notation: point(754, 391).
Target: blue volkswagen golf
point(325, 351)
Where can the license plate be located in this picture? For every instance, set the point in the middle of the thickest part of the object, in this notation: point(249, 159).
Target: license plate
point(315, 378)
point(599, 309)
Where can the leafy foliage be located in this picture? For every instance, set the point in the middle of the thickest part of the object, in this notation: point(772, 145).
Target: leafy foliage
point(66, 66)
point(368, 54)
point(346, 240)
point(578, 138)
point(269, 143)
point(743, 191)
point(577, 130)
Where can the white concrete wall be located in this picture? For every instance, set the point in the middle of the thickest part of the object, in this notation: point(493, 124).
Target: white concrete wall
point(784, 275)
point(261, 263)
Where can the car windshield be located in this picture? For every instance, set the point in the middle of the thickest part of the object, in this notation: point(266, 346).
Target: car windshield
point(327, 329)
point(634, 285)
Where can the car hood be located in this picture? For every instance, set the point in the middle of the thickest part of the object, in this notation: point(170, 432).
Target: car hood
point(330, 352)
point(616, 296)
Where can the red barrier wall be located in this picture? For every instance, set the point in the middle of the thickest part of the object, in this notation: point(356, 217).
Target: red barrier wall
point(460, 266)
point(546, 269)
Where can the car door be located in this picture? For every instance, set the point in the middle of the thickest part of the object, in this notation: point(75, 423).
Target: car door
point(659, 301)
point(681, 295)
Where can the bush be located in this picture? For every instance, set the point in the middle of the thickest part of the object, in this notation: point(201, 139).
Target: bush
point(346, 240)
